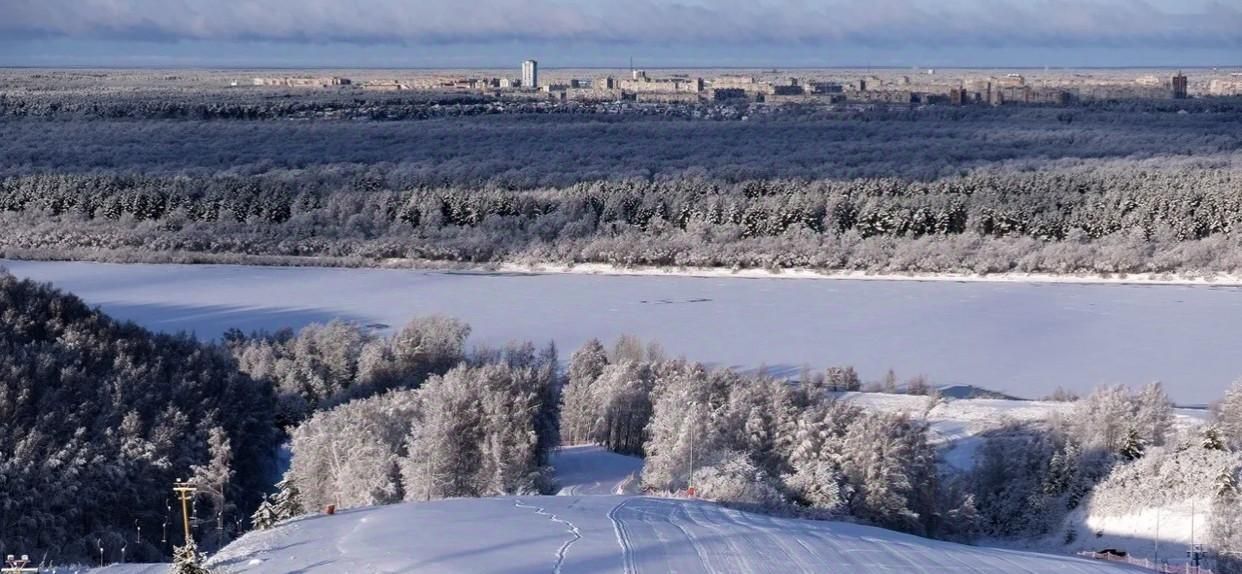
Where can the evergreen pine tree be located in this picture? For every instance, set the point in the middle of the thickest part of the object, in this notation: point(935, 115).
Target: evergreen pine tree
point(1133, 447)
point(1212, 439)
point(188, 560)
point(265, 516)
point(288, 500)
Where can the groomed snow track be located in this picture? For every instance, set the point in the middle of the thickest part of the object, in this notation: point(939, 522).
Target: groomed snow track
point(609, 534)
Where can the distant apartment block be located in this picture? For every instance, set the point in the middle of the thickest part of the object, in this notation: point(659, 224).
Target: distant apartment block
point(1181, 85)
point(295, 82)
point(1223, 87)
point(530, 74)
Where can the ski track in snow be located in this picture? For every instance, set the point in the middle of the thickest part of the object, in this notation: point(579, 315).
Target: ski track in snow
point(575, 534)
point(649, 535)
point(623, 539)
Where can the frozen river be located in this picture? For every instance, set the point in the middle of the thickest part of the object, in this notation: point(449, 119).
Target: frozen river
point(1024, 339)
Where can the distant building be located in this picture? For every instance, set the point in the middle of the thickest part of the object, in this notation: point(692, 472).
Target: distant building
point(530, 74)
point(606, 83)
point(1230, 87)
point(292, 82)
point(1180, 87)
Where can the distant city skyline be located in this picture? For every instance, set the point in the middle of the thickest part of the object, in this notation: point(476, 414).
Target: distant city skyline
point(598, 33)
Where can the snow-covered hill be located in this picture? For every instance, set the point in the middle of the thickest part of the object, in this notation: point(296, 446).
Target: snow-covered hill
point(598, 534)
point(956, 424)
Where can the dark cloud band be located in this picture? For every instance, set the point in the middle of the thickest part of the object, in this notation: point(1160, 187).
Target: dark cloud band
point(874, 22)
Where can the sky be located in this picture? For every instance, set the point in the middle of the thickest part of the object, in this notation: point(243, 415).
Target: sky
point(608, 33)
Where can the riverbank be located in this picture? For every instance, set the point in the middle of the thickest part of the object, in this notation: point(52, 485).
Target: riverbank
point(554, 268)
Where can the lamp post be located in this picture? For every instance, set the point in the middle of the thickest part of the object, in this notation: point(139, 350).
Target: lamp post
point(694, 406)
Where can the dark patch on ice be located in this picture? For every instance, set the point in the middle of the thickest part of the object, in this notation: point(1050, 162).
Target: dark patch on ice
point(675, 301)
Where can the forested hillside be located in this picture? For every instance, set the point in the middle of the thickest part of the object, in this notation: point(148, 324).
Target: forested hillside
point(97, 418)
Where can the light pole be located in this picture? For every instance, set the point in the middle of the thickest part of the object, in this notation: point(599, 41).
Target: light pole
point(694, 406)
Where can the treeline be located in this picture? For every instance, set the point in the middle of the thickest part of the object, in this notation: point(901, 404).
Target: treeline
point(97, 418)
point(1148, 219)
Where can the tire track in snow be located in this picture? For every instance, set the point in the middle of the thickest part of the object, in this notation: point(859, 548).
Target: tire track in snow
point(576, 534)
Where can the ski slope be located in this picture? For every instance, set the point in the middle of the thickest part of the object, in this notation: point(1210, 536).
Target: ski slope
point(606, 534)
point(591, 469)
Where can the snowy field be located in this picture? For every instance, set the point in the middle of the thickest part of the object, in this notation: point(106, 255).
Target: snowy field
point(1022, 339)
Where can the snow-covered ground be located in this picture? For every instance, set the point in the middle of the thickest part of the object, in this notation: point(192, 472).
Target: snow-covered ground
point(605, 533)
point(1024, 339)
point(590, 469)
point(956, 424)
point(598, 534)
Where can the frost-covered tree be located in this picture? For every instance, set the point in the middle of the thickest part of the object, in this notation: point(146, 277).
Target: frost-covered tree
point(1229, 416)
point(287, 502)
point(482, 431)
point(348, 456)
point(891, 467)
point(1153, 416)
point(188, 560)
point(265, 516)
point(842, 379)
point(213, 481)
point(581, 408)
point(682, 436)
point(1211, 439)
point(1104, 419)
point(1226, 523)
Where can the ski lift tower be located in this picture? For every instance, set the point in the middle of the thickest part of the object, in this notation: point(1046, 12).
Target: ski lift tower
point(185, 491)
point(15, 565)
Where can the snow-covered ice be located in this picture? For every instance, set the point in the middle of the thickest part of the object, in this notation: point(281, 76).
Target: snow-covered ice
point(1023, 339)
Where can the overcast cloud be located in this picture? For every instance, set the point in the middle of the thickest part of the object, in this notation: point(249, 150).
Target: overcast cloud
point(1192, 23)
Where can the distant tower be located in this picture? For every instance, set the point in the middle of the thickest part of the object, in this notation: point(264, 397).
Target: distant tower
point(530, 74)
point(1180, 87)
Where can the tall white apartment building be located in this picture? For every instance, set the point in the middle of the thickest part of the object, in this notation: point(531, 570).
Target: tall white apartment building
point(530, 74)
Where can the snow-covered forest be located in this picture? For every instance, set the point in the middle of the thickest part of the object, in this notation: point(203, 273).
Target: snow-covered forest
point(102, 171)
point(1156, 216)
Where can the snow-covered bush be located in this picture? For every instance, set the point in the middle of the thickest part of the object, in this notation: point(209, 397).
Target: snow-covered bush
point(736, 480)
